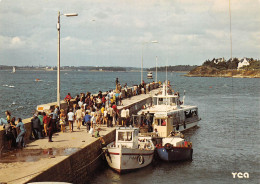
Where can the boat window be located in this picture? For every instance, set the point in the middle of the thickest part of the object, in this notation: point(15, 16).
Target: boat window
point(191, 113)
point(155, 101)
point(160, 101)
point(163, 122)
point(124, 136)
point(173, 101)
point(136, 133)
point(160, 122)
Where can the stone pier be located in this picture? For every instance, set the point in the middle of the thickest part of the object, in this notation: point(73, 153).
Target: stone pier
point(72, 157)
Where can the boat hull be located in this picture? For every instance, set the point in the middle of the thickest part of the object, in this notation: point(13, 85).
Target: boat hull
point(175, 154)
point(128, 159)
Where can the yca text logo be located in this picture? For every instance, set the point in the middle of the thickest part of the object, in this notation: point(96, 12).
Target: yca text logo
point(240, 175)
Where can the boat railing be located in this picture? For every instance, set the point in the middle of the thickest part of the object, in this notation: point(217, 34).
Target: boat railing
point(148, 134)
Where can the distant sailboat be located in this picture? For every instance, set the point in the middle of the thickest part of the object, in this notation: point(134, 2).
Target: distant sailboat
point(13, 70)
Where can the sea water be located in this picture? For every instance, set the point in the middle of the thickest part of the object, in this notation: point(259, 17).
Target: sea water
point(225, 142)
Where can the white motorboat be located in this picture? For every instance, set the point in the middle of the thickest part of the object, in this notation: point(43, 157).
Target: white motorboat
point(129, 151)
point(150, 75)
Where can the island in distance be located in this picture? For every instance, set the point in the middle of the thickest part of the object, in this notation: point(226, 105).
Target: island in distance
point(239, 68)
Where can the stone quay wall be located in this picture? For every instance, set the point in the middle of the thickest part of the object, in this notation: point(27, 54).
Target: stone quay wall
point(79, 166)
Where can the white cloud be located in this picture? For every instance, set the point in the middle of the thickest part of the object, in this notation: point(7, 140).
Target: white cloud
point(16, 41)
point(11, 42)
point(188, 30)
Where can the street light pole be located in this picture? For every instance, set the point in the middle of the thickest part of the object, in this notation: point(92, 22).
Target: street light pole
point(58, 61)
point(142, 65)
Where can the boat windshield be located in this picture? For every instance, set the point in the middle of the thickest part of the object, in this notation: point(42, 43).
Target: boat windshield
point(125, 136)
point(166, 101)
point(160, 122)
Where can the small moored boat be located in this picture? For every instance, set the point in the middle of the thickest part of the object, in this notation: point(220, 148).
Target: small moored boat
point(174, 148)
point(129, 152)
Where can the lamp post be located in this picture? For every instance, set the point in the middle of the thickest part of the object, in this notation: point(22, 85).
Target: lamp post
point(154, 41)
point(58, 63)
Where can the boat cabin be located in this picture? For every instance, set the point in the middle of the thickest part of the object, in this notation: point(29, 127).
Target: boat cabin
point(166, 97)
point(166, 121)
point(163, 124)
point(127, 137)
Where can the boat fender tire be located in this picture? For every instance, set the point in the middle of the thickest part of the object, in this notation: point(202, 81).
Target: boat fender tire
point(168, 146)
point(140, 159)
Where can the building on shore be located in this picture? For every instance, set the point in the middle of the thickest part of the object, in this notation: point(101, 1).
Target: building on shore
point(243, 62)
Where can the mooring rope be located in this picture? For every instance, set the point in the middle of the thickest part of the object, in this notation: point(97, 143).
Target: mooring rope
point(24, 176)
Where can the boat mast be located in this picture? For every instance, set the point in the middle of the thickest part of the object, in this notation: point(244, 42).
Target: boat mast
point(156, 71)
point(166, 86)
point(183, 98)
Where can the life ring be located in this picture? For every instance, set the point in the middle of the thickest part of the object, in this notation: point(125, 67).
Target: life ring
point(140, 159)
point(168, 146)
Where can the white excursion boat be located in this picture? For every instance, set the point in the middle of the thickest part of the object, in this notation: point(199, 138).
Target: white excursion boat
point(167, 113)
point(150, 75)
point(129, 151)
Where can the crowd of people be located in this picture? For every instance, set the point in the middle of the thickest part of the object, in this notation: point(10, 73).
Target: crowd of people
point(85, 109)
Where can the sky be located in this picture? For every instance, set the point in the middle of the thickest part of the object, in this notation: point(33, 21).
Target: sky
point(121, 32)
